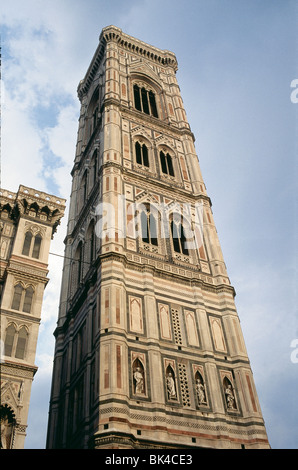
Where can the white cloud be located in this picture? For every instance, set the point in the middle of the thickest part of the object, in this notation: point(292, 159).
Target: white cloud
point(20, 148)
point(61, 140)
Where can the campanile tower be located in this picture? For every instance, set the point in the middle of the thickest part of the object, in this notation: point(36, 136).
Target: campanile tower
point(149, 349)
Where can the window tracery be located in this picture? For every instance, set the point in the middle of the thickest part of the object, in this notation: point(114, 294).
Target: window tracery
point(22, 298)
point(149, 228)
point(166, 163)
point(178, 234)
point(32, 244)
point(144, 100)
point(141, 151)
point(16, 341)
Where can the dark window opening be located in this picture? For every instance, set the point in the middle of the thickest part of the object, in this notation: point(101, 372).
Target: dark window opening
point(149, 228)
point(142, 154)
point(152, 104)
point(179, 239)
point(9, 340)
point(28, 300)
point(36, 247)
point(145, 101)
point(27, 244)
point(16, 301)
point(166, 164)
point(137, 97)
point(138, 153)
point(21, 344)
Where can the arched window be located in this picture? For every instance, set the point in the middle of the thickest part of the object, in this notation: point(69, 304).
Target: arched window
point(136, 92)
point(27, 243)
point(152, 104)
point(32, 245)
point(94, 167)
point(142, 154)
point(36, 246)
point(22, 298)
point(21, 343)
point(92, 115)
point(149, 227)
point(17, 297)
point(178, 237)
point(28, 299)
point(79, 262)
point(90, 243)
point(145, 100)
point(9, 340)
point(83, 189)
point(166, 163)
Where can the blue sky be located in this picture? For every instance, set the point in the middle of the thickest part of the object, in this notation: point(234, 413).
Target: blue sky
point(237, 59)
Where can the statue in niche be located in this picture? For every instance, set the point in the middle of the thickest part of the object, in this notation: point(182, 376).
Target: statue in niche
point(230, 398)
point(200, 389)
point(138, 376)
point(171, 387)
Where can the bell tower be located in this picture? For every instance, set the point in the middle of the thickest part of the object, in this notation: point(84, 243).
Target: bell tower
point(149, 349)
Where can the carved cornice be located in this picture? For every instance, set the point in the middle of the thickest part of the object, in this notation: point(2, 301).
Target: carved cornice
point(111, 33)
point(28, 271)
point(159, 56)
point(128, 441)
point(35, 205)
point(19, 370)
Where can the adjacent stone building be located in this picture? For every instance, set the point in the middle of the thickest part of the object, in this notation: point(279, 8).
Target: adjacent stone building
point(149, 349)
point(28, 220)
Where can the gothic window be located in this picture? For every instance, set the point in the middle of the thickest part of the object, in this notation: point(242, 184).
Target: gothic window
point(149, 227)
point(21, 343)
point(166, 163)
point(178, 237)
point(28, 299)
point(17, 296)
point(32, 245)
point(22, 298)
point(16, 341)
point(141, 154)
point(27, 243)
point(94, 167)
point(152, 104)
point(83, 190)
point(145, 100)
point(36, 246)
point(92, 115)
point(90, 243)
point(78, 263)
point(9, 340)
